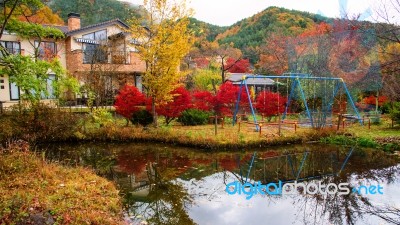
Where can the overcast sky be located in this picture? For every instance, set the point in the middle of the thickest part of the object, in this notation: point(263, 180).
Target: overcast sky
point(227, 12)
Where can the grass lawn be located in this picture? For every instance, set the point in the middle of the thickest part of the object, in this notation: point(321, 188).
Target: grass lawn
point(382, 130)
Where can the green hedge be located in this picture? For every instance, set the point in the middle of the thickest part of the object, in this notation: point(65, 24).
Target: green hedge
point(193, 117)
point(142, 117)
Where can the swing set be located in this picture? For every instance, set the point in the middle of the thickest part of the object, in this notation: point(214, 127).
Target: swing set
point(311, 91)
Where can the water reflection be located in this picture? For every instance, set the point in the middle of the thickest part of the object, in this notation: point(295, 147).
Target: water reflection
point(167, 185)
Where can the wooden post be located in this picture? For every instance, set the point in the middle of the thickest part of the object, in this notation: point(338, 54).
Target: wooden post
point(295, 127)
point(222, 122)
point(363, 121)
point(239, 126)
point(279, 124)
point(369, 123)
point(260, 126)
point(339, 120)
point(215, 125)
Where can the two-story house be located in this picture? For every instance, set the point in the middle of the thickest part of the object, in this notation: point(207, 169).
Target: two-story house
point(101, 56)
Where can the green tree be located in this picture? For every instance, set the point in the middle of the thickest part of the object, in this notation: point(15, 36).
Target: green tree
point(162, 44)
point(31, 76)
point(104, 10)
point(203, 79)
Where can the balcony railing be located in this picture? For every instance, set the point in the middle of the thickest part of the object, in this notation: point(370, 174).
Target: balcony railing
point(106, 57)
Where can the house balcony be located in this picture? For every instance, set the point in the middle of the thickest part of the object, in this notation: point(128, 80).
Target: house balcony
point(118, 61)
point(106, 57)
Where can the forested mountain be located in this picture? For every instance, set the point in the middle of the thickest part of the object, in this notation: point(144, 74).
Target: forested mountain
point(95, 11)
point(253, 30)
point(251, 33)
point(206, 30)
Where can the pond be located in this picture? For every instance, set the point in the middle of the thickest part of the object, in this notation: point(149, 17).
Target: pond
point(163, 184)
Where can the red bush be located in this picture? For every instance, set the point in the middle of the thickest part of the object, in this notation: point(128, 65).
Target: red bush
point(203, 100)
point(269, 103)
point(128, 101)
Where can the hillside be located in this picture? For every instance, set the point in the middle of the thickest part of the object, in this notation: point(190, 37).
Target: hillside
point(95, 11)
point(253, 30)
point(250, 33)
point(206, 30)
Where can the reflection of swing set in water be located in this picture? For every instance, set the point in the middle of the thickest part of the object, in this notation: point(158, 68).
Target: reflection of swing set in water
point(306, 170)
point(317, 94)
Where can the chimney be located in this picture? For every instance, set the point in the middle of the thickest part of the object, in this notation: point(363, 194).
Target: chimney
point(74, 21)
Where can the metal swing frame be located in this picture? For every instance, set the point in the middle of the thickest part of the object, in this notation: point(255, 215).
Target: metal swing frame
point(296, 78)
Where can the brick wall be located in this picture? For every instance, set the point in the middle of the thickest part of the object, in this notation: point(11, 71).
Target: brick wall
point(75, 64)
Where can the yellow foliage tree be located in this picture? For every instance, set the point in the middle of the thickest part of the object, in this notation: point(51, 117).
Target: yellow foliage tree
point(42, 16)
point(162, 43)
point(389, 58)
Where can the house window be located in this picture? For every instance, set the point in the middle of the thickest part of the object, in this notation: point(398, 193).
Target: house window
point(94, 53)
point(100, 35)
point(11, 46)
point(46, 50)
point(49, 87)
point(138, 83)
point(14, 91)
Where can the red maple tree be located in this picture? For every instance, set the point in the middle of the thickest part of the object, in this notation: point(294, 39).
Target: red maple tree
point(270, 103)
point(202, 62)
point(173, 109)
point(371, 100)
point(128, 101)
point(203, 100)
point(226, 98)
point(238, 66)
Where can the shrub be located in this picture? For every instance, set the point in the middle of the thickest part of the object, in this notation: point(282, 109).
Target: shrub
point(385, 109)
point(128, 101)
point(102, 117)
point(142, 117)
point(395, 112)
point(38, 124)
point(366, 142)
point(192, 117)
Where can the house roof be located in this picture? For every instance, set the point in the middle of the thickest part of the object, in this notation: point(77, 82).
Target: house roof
point(236, 78)
point(63, 29)
point(98, 25)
